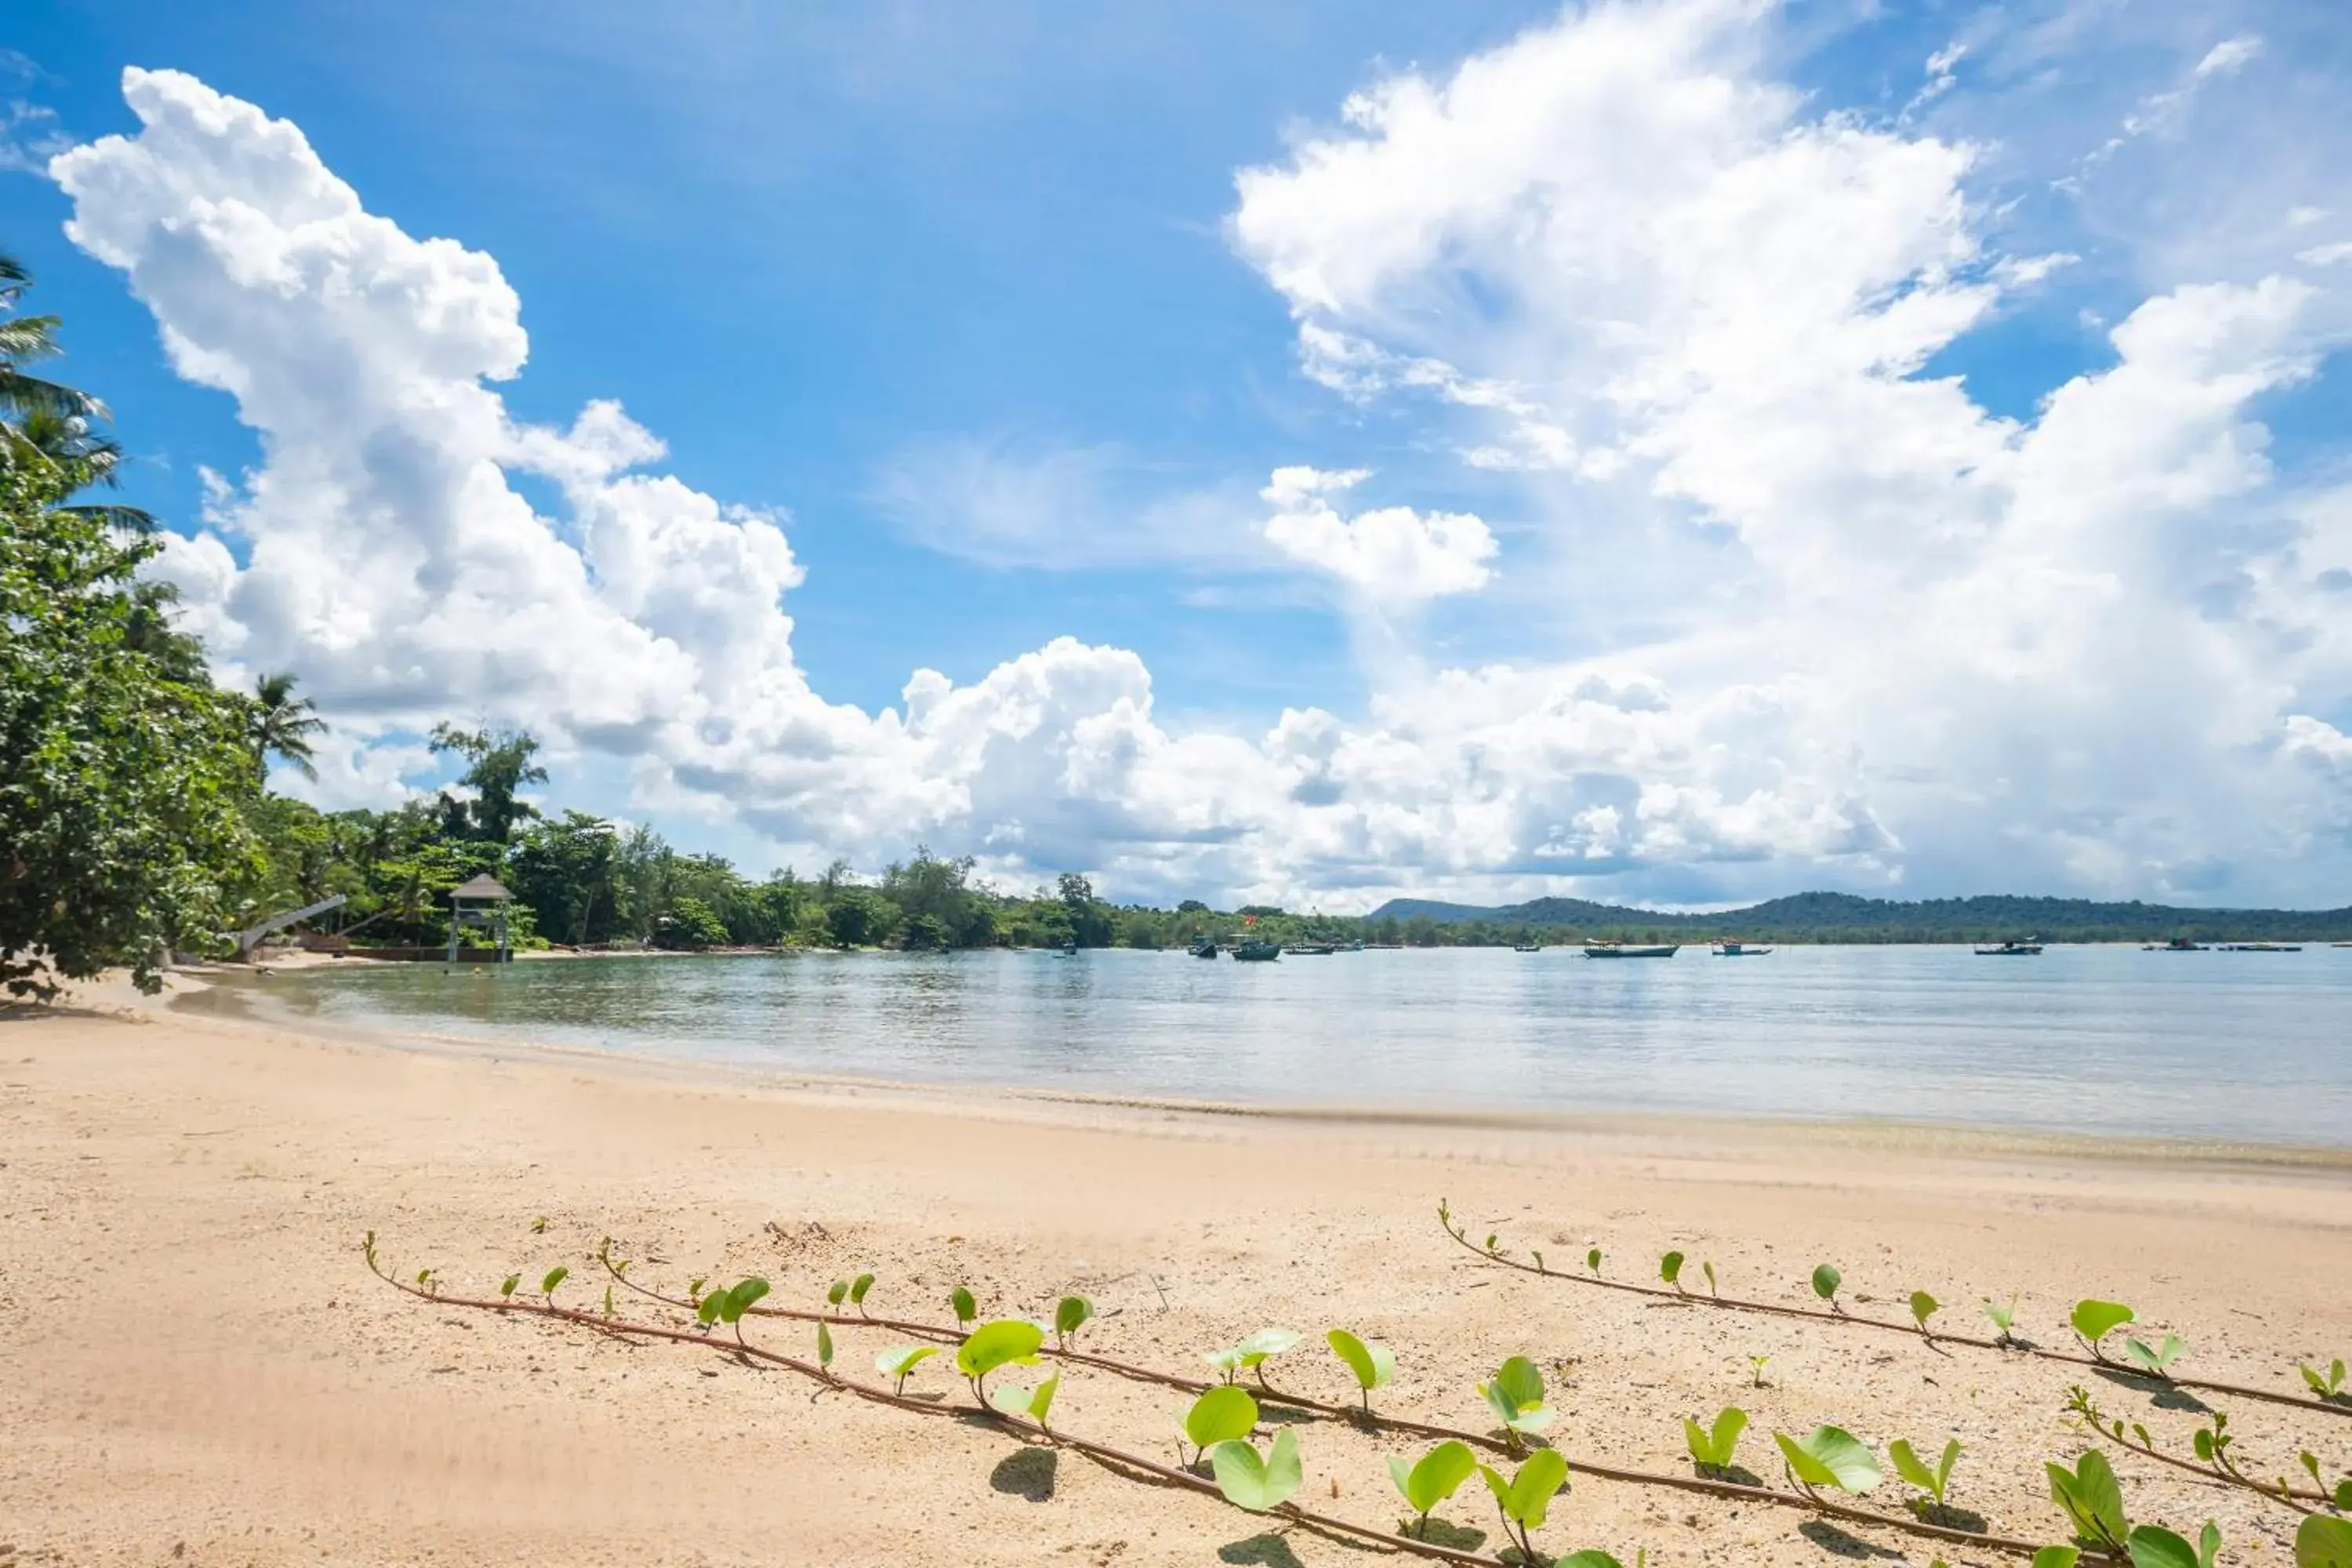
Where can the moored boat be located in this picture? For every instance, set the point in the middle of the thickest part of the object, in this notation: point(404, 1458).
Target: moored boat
point(1624, 950)
point(1258, 952)
point(1205, 948)
point(1739, 950)
point(1526, 947)
point(2177, 944)
point(2025, 948)
point(2262, 947)
point(1312, 949)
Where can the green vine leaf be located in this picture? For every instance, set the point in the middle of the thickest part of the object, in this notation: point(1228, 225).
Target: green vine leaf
point(1255, 1482)
point(1373, 1364)
point(1220, 1415)
point(1829, 1457)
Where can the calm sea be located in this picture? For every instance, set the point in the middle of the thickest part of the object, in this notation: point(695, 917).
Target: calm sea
point(2104, 1040)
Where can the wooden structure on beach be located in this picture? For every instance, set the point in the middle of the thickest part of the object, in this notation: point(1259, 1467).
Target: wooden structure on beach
point(481, 903)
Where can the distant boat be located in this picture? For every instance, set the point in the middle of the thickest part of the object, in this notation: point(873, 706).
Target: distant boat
point(1068, 947)
point(2177, 944)
point(1739, 950)
point(2262, 947)
point(2025, 948)
point(1205, 948)
point(1257, 950)
point(1620, 949)
point(1312, 949)
point(1526, 947)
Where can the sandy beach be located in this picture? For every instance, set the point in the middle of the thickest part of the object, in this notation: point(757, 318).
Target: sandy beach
point(196, 1368)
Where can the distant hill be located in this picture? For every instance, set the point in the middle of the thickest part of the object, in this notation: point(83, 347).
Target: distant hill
point(1844, 916)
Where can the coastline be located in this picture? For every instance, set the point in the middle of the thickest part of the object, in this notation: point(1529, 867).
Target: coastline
point(190, 1356)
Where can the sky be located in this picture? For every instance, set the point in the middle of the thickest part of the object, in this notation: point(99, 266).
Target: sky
point(1674, 452)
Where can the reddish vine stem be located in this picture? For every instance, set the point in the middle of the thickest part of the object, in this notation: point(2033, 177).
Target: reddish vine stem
point(1801, 1502)
point(2221, 1468)
point(1102, 1452)
point(2291, 1495)
point(932, 1333)
point(1888, 1325)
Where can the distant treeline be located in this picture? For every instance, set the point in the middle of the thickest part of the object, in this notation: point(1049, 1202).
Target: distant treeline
point(1846, 918)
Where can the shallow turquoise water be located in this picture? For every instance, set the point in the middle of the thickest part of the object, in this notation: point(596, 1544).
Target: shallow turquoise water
point(2251, 1046)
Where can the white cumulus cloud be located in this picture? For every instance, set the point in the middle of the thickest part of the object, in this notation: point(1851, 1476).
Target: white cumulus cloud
point(1392, 555)
point(1989, 652)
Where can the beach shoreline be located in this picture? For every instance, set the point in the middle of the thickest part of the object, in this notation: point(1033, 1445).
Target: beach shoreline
point(194, 1359)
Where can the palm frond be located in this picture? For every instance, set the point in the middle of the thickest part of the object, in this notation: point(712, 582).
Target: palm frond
point(23, 393)
point(116, 515)
point(29, 337)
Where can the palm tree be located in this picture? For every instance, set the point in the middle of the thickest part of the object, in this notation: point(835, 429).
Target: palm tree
point(25, 338)
point(281, 725)
point(45, 422)
point(149, 629)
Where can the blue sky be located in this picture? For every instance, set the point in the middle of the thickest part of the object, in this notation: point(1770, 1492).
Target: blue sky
point(807, 249)
point(982, 318)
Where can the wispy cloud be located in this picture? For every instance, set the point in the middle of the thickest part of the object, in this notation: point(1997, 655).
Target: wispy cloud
point(2161, 113)
point(1005, 501)
point(29, 136)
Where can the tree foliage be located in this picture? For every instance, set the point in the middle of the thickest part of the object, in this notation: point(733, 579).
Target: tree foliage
point(122, 787)
point(280, 724)
point(498, 766)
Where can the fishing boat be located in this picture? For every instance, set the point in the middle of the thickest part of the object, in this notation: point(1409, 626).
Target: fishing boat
point(2177, 944)
point(2262, 947)
point(1205, 948)
point(1257, 950)
point(2025, 948)
point(1526, 947)
point(1739, 950)
point(1312, 949)
point(1622, 950)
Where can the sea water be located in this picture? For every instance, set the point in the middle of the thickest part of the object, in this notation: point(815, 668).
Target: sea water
point(2110, 1041)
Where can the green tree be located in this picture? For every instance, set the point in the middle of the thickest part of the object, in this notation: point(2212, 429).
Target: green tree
point(784, 896)
point(939, 896)
point(120, 787)
point(498, 766)
point(691, 924)
point(1089, 918)
point(23, 340)
point(860, 917)
point(280, 725)
point(564, 871)
point(45, 426)
point(150, 630)
point(923, 933)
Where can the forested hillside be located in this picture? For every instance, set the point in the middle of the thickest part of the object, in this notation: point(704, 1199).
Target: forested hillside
point(1846, 918)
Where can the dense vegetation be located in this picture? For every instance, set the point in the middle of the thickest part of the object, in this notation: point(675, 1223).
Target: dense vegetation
point(125, 775)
